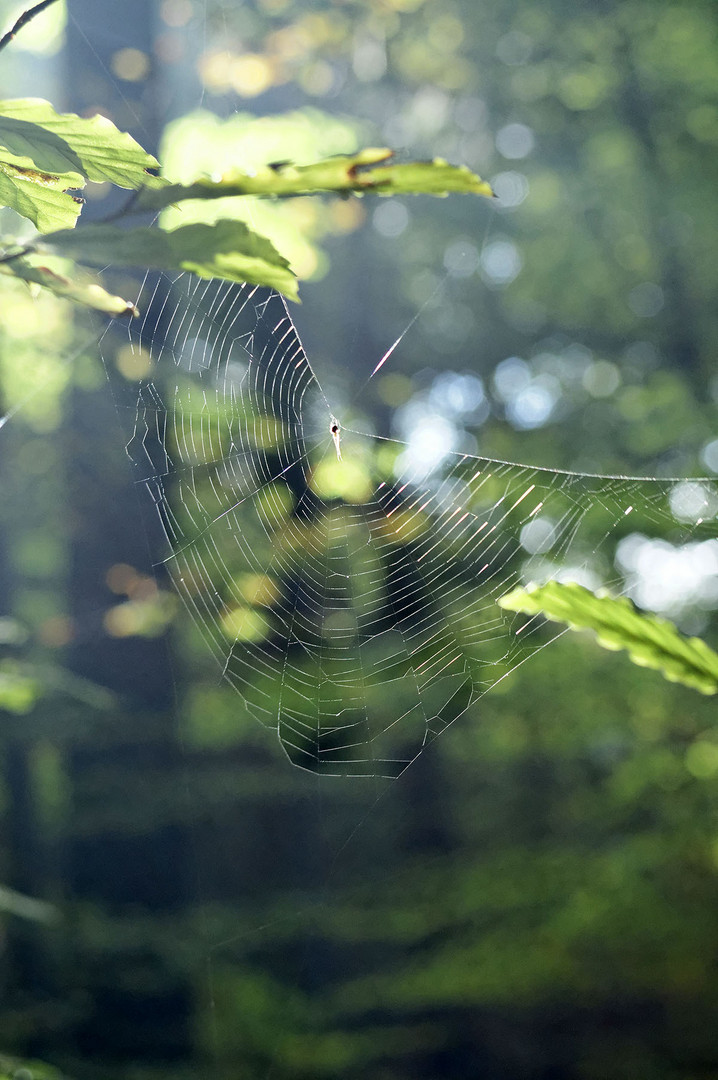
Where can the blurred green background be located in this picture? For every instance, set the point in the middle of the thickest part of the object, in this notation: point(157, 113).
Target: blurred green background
point(537, 896)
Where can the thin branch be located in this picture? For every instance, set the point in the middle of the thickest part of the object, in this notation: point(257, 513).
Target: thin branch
point(23, 21)
point(19, 253)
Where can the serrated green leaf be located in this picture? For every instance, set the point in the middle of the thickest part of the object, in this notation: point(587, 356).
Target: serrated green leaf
point(41, 197)
point(67, 281)
point(649, 640)
point(364, 172)
point(435, 177)
point(45, 154)
point(34, 136)
point(227, 249)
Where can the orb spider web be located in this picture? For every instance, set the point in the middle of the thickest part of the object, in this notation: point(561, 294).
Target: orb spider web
point(349, 597)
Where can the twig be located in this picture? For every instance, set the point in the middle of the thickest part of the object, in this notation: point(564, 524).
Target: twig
point(23, 21)
point(19, 253)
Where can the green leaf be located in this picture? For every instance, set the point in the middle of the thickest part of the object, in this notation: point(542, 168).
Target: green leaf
point(66, 280)
point(27, 907)
point(44, 155)
point(366, 171)
point(41, 197)
point(15, 1069)
point(18, 691)
point(650, 641)
point(34, 136)
point(227, 249)
point(435, 177)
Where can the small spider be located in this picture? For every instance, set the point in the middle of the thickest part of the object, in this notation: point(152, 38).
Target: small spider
point(336, 435)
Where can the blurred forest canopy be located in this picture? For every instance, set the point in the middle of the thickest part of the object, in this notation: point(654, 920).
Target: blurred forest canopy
point(536, 896)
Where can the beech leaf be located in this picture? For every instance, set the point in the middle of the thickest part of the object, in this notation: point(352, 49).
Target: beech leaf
point(44, 155)
point(368, 171)
point(227, 249)
point(649, 640)
point(69, 282)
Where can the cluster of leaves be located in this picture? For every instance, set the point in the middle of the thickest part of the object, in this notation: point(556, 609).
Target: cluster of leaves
point(46, 159)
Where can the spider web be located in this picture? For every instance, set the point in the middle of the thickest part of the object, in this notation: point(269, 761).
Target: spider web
point(351, 602)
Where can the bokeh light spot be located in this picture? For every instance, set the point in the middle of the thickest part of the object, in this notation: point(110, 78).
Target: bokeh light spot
point(515, 141)
point(500, 262)
point(132, 65)
point(646, 300)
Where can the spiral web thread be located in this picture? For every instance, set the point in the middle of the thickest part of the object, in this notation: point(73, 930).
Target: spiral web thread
point(357, 617)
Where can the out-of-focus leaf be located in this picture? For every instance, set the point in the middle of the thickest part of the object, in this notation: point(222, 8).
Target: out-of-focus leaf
point(34, 136)
point(228, 249)
point(366, 171)
point(15, 1069)
point(27, 907)
point(18, 691)
point(650, 641)
point(68, 281)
